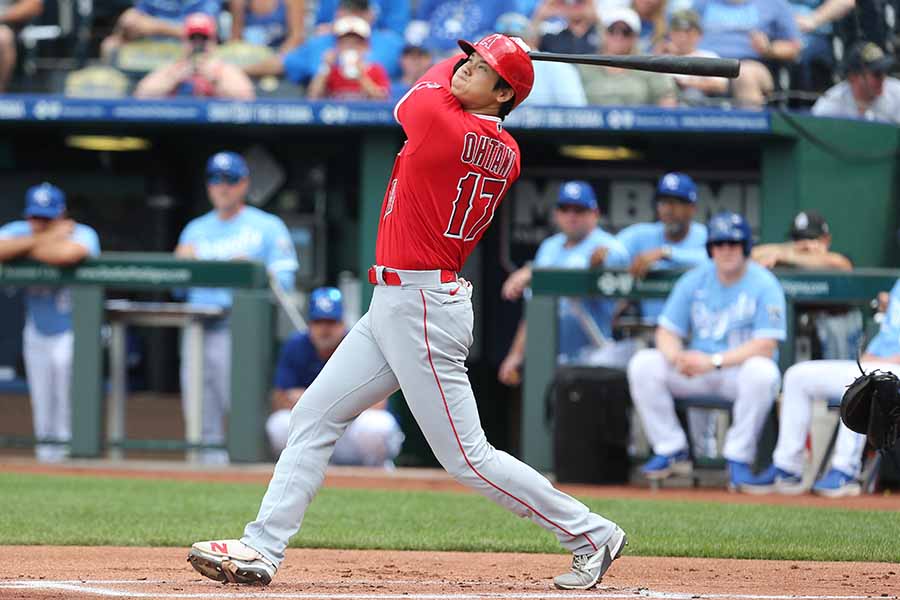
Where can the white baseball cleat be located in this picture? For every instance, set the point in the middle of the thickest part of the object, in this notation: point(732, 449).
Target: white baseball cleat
point(588, 569)
point(231, 561)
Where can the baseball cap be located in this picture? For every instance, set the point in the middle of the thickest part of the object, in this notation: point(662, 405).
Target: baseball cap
point(685, 19)
point(352, 24)
point(45, 201)
point(866, 56)
point(577, 193)
point(228, 164)
point(677, 185)
point(808, 225)
point(622, 14)
point(326, 303)
point(199, 24)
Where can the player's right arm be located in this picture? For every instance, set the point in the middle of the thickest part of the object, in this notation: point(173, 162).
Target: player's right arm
point(675, 318)
point(669, 343)
point(12, 243)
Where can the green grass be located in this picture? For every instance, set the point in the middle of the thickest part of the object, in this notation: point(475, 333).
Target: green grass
point(41, 509)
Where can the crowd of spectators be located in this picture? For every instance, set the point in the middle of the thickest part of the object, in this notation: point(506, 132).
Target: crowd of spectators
point(375, 49)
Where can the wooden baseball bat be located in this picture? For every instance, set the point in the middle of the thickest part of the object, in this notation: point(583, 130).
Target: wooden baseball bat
point(677, 65)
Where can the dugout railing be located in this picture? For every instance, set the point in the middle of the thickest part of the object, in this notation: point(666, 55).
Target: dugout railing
point(250, 319)
point(820, 288)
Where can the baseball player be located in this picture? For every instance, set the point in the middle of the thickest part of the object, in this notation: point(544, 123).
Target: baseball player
point(718, 334)
point(231, 231)
point(674, 241)
point(49, 236)
point(374, 438)
point(454, 169)
point(580, 244)
point(803, 383)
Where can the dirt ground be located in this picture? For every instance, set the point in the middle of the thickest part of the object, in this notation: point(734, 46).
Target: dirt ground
point(38, 573)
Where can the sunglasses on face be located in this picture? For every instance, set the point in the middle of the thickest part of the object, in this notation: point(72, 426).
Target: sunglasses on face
point(572, 208)
point(229, 178)
point(728, 243)
point(623, 31)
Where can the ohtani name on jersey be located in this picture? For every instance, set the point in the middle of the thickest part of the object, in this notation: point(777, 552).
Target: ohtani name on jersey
point(488, 153)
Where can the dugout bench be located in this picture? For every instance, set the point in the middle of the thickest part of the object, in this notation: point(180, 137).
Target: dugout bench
point(548, 285)
point(251, 321)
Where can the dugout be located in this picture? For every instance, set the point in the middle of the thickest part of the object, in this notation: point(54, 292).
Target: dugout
point(325, 166)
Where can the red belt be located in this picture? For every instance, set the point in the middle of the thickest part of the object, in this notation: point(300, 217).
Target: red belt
point(393, 278)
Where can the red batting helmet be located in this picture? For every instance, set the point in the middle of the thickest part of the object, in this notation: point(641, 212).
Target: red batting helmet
point(509, 57)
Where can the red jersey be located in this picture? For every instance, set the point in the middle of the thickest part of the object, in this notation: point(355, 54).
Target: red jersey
point(339, 87)
point(448, 179)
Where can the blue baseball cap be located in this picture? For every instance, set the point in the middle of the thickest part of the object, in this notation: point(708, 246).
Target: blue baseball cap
point(45, 200)
point(677, 185)
point(577, 193)
point(230, 165)
point(326, 303)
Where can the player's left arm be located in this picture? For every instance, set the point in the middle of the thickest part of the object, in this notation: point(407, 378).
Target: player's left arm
point(281, 256)
point(83, 243)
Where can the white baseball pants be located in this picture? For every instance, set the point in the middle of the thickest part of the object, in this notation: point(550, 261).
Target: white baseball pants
point(416, 338)
point(48, 366)
point(752, 387)
point(803, 383)
point(216, 390)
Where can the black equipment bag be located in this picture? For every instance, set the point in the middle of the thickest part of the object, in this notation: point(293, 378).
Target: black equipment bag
point(591, 425)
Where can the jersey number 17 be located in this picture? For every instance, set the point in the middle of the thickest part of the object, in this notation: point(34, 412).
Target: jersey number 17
point(476, 200)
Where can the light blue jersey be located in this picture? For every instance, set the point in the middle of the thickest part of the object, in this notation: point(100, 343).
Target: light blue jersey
point(689, 252)
point(49, 309)
point(715, 318)
point(553, 253)
point(251, 234)
point(887, 342)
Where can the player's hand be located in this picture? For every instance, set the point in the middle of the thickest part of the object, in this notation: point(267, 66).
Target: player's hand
point(598, 257)
point(510, 372)
point(693, 363)
point(185, 251)
point(58, 229)
point(761, 43)
point(640, 266)
point(805, 23)
point(515, 284)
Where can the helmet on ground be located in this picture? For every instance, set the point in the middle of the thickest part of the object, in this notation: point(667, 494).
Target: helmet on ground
point(728, 227)
point(509, 57)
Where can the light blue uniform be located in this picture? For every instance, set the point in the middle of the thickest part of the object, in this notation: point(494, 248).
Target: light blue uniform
point(715, 318)
point(47, 344)
point(49, 310)
point(251, 234)
point(711, 318)
point(827, 379)
point(553, 253)
point(689, 252)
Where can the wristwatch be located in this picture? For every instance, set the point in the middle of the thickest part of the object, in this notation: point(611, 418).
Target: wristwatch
point(666, 251)
point(717, 360)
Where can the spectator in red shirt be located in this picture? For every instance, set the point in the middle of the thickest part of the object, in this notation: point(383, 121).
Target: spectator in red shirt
point(346, 73)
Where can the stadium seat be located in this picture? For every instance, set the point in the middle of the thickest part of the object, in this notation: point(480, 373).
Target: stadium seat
point(98, 81)
point(142, 56)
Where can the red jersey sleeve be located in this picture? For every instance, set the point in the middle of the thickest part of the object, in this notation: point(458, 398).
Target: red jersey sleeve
point(427, 101)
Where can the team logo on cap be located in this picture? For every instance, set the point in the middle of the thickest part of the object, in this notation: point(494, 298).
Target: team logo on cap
point(324, 304)
point(42, 197)
point(671, 181)
point(801, 221)
point(222, 161)
point(573, 190)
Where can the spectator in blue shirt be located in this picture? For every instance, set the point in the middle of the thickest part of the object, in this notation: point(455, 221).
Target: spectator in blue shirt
point(452, 20)
point(387, 14)
point(755, 32)
point(277, 24)
point(814, 19)
point(155, 18)
point(374, 437)
point(415, 60)
point(301, 64)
